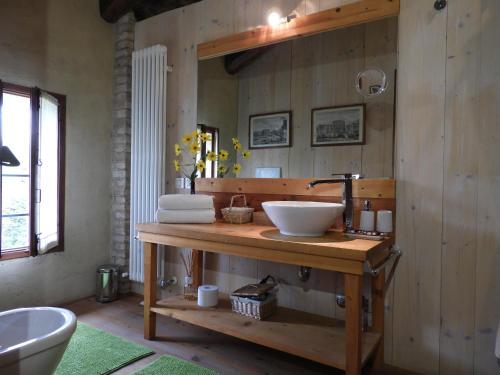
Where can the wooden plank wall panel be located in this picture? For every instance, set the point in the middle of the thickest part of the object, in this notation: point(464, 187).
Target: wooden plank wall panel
point(262, 91)
point(304, 55)
point(381, 40)
point(487, 288)
point(323, 68)
point(380, 45)
point(419, 174)
point(265, 91)
point(216, 18)
point(340, 58)
point(459, 245)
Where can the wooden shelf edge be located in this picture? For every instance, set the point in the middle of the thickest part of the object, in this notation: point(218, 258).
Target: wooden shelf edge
point(306, 335)
point(366, 188)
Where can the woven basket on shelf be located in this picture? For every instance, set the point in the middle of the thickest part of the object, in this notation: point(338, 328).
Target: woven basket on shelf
point(257, 301)
point(259, 310)
point(237, 215)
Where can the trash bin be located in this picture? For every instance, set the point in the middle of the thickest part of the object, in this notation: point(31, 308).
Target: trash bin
point(107, 283)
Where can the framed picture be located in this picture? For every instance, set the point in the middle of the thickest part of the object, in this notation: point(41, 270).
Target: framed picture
point(334, 126)
point(270, 130)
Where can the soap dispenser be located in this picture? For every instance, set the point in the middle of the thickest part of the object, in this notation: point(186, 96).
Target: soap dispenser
point(367, 220)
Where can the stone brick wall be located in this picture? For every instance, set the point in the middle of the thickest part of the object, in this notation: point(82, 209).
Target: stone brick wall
point(120, 160)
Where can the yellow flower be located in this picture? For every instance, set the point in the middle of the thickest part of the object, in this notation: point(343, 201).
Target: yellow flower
point(177, 165)
point(236, 168)
point(178, 149)
point(205, 137)
point(235, 141)
point(195, 134)
point(187, 138)
point(223, 155)
point(237, 146)
point(222, 169)
point(194, 148)
point(200, 165)
point(246, 154)
point(212, 156)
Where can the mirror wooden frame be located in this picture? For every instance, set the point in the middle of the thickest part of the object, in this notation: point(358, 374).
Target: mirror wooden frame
point(357, 13)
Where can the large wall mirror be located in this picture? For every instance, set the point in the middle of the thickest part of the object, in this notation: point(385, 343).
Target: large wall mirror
point(311, 107)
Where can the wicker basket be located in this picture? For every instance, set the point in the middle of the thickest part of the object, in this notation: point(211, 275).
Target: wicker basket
point(259, 310)
point(237, 215)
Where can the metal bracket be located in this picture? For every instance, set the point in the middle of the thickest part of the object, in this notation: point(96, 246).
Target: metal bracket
point(394, 255)
point(304, 273)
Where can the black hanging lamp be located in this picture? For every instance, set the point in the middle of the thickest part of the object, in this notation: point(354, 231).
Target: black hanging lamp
point(7, 158)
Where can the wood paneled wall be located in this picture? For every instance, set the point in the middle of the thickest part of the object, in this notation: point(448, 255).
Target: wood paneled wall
point(444, 309)
point(314, 72)
point(447, 294)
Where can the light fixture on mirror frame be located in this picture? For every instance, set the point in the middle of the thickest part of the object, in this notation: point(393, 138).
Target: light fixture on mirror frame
point(374, 90)
point(274, 18)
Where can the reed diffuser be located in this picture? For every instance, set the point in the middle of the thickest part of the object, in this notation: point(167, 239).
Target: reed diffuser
point(190, 293)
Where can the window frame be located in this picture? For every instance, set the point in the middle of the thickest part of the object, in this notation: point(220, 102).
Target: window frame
point(34, 95)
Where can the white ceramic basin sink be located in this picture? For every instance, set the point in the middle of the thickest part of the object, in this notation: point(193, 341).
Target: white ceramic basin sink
point(309, 219)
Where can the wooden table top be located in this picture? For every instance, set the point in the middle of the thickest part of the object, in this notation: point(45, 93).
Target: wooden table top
point(331, 245)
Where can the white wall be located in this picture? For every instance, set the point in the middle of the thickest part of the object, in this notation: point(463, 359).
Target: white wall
point(64, 46)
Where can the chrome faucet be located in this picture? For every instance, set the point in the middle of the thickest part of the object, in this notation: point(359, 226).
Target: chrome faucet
point(346, 196)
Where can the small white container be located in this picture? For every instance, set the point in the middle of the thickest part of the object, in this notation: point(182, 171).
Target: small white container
point(367, 219)
point(384, 221)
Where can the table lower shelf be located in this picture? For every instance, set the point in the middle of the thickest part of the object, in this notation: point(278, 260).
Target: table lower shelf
point(306, 335)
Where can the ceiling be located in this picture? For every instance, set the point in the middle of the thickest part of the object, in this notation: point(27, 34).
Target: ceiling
point(112, 10)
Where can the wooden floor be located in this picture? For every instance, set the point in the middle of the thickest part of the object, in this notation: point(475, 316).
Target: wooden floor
point(222, 353)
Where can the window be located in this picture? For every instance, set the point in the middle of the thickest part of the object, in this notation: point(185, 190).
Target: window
point(212, 145)
point(32, 194)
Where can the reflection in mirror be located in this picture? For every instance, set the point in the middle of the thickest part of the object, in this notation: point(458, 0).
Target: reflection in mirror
point(371, 82)
point(325, 126)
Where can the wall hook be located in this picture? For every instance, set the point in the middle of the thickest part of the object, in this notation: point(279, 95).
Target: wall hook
point(440, 4)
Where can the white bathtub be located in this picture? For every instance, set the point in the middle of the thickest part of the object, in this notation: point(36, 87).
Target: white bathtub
point(33, 340)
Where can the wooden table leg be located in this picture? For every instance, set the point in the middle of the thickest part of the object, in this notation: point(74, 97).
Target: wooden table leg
point(150, 259)
point(378, 298)
point(353, 295)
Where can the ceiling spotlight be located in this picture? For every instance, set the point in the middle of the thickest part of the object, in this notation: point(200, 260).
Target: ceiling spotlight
point(274, 19)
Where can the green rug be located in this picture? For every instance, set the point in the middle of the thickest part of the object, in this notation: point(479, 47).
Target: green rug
point(167, 365)
point(95, 352)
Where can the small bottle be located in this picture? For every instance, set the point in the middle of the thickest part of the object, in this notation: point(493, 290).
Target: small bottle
point(367, 220)
point(189, 289)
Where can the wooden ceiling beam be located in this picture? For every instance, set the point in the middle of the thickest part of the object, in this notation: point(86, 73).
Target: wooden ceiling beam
point(235, 62)
point(112, 10)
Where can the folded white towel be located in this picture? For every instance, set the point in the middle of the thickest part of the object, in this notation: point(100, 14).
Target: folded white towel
point(186, 202)
point(186, 216)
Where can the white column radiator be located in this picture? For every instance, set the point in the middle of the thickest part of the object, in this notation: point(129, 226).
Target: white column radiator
point(148, 136)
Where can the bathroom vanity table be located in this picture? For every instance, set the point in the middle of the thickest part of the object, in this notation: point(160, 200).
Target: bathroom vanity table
point(325, 340)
